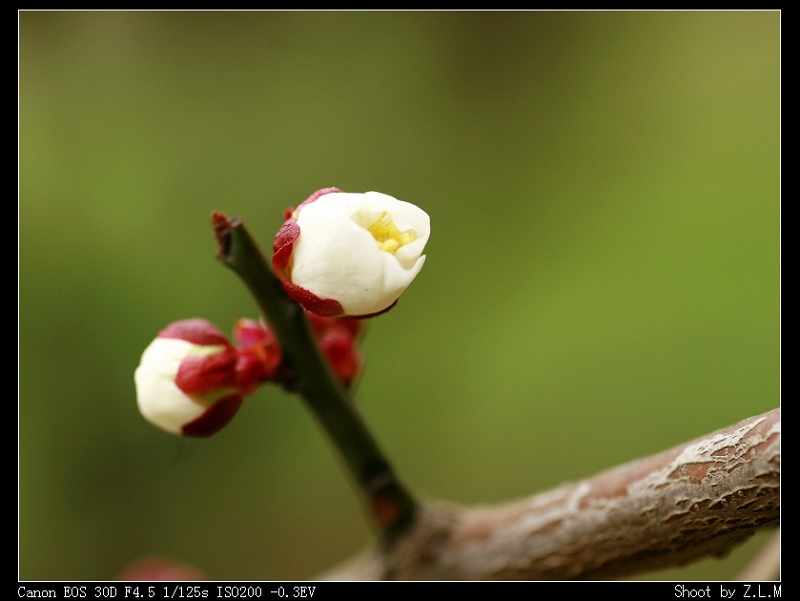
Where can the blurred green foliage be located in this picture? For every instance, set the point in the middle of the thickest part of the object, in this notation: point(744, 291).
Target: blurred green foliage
point(602, 279)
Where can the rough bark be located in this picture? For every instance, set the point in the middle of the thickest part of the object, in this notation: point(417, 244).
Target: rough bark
point(700, 498)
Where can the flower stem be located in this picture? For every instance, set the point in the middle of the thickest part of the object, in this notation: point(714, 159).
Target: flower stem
point(390, 505)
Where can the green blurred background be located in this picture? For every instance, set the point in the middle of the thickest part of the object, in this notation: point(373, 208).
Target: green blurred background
point(602, 278)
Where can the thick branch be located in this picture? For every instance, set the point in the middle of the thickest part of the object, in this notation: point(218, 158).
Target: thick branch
point(701, 498)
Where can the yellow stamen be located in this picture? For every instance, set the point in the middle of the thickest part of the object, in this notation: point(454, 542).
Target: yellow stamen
point(390, 245)
point(388, 237)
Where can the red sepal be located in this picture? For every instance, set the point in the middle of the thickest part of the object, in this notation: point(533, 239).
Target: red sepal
point(327, 307)
point(337, 340)
point(322, 324)
point(250, 371)
point(282, 247)
point(340, 350)
point(260, 353)
point(248, 332)
point(215, 417)
point(198, 376)
point(196, 331)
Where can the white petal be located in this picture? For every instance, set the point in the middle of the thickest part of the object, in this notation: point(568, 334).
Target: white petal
point(160, 401)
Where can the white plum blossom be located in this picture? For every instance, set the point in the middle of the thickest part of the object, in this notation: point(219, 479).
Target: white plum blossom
point(350, 254)
point(189, 379)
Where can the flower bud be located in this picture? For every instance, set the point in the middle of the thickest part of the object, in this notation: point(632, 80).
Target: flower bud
point(191, 381)
point(260, 354)
point(337, 339)
point(350, 254)
point(151, 569)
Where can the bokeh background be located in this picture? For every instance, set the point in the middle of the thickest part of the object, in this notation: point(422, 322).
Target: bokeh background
point(602, 278)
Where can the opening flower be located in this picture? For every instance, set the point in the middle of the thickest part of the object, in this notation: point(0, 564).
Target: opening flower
point(350, 254)
point(191, 381)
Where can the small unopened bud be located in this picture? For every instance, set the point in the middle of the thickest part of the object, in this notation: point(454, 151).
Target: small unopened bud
point(337, 338)
point(191, 381)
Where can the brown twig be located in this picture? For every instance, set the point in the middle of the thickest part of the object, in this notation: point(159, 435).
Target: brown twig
point(700, 498)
